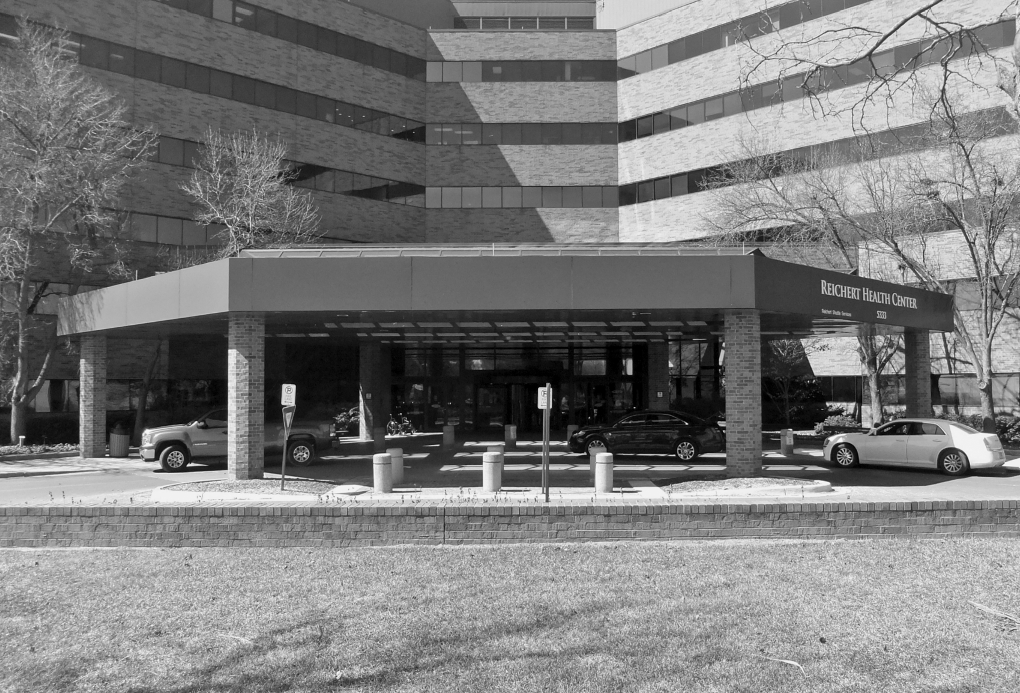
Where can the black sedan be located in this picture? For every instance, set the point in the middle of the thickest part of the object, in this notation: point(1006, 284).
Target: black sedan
point(656, 432)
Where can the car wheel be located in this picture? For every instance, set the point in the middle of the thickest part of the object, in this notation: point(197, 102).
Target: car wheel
point(686, 450)
point(953, 463)
point(595, 443)
point(174, 458)
point(844, 455)
point(300, 453)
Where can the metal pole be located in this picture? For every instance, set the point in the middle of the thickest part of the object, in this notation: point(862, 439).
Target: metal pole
point(545, 443)
point(283, 469)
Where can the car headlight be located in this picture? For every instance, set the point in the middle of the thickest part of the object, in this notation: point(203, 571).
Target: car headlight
point(580, 433)
point(825, 442)
point(146, 437)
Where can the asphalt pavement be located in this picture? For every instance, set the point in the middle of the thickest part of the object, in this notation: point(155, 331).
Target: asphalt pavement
point(429, 466)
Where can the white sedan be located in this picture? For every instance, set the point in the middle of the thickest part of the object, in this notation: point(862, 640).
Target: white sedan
point(950, 447)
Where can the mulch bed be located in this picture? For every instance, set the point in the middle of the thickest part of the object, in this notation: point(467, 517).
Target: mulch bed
point(293, 486)
point(732, 484)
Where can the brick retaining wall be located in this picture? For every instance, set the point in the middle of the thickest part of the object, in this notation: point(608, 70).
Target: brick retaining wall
point(337, 526)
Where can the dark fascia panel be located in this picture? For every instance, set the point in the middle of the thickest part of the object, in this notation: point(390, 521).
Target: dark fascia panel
point(567, 282)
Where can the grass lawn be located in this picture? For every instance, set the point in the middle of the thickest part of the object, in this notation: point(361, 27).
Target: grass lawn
point(700, 616)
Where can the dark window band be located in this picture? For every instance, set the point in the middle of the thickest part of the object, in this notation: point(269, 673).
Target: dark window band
point(512, 197)
point(522, 71)
point(902, 139)
point(113, 57)
point(992, 36)
point(780, 17)
point(270, 23)
point(520, 133)
point(179, 152)
point(525, 23)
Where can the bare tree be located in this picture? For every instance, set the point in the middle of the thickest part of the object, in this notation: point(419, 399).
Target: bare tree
point(242, 182)
point(65, 153)
point(941, 212)
point(851, 52)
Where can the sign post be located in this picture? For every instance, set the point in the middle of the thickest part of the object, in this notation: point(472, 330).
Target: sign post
point(545, 400)
point(287, 398)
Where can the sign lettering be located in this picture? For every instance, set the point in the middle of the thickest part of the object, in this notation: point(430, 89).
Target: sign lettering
point(858, 293)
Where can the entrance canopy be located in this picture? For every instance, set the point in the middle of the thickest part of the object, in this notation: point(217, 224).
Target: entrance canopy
point(502, 294)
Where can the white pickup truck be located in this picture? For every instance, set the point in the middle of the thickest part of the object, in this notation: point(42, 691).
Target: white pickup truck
point(178, 445)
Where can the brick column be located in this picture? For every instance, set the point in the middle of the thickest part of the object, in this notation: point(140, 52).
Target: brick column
point(917, 349)
point(92, 399)
point(246, 366)
point(743, 393)
point(658, 375)
point(370, 390)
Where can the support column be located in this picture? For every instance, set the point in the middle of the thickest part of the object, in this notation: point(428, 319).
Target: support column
point(373, 384)
point(246, 384)
point(917, 349)
point(743, 393)
point(658, 375)
point(92, 401)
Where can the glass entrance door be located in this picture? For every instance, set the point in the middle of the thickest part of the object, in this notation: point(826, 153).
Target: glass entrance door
point(491, 407)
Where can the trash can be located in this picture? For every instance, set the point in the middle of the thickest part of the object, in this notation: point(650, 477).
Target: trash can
point(120, 439)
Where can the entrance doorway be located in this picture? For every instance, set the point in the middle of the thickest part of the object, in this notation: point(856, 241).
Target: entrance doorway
point(501, 403)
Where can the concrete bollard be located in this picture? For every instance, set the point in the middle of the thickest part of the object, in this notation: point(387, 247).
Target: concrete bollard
point(604, 473)
point(510, 436)
point(379, 439)
point(592, 453)
point(397, 455)
point(496, 447)
point(382, 473)
point(786, 441)
point(448, 436)
point(492, 472)
point(571, 430)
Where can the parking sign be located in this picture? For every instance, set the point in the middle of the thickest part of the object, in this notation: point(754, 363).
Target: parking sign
point(545, 398)
point(289, 395)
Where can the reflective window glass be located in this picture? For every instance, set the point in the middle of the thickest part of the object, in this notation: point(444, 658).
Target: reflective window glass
point(713, 108)
point(661, 122)
point(731, 104)
point(628, 194)
point(512, 197)
point(645, 126)
point(643, 62)
point(197, 78)
point(434, 72)
point(381, 57)
point(696, 113)
point(122, 59)
point(451, 134)
point(552, 196)
point(265, 95)
point(660, 57)
point(286, 28)
point(646, 191)
point(492, 197)
point(307, 34)
point(344, 114)
point(531, 133)
point(610, 196)
point(326, 42)
point(678, 185)
point(265, 22)
point(191, 153)
point(662, 189)
point(221, 84)
point(451, 198)
point(244, 89)
point(678, 118)
point(530, 71)
point(552, 133)
point(244, 15)
point(472, 72)
point(434, 134)
point(591, 196)
point(343, 181)
point(433, 198)
point(628, 130)
point(171, 151)
point(471, 198)
point(513, 133)
point(471, 133)
point(626, 67)
point(573, 197)
point(452, 72)
point(306, 105)
point(169, 231)
point(492, 133)
point(531, 197)
point(174, 72)
point(147, 66)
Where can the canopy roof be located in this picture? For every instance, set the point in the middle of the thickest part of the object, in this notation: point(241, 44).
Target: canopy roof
point(498, 293)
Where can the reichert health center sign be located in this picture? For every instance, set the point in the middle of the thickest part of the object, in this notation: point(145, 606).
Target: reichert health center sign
point(785, 287)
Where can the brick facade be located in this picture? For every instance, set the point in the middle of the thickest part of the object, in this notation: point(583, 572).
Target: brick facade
point(246, 365)
point(92, 405)
point(743, 393)
point(389, 524)
point(917, 368)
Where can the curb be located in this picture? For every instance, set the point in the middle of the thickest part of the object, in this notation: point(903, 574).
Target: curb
point(38, 456)
point(44, 472)
point(167, 494)
point(814, 488)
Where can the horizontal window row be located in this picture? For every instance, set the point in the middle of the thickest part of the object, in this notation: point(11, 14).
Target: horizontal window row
point(105, 55)
point(522, 71)
point(880, 144)
point(173, 231)
point(525, 23)
point(179, 152)
point(357, 185)
point(318, 38)
point(909, 56)
point(593, 196)
point(781, 17)
point(520, 133)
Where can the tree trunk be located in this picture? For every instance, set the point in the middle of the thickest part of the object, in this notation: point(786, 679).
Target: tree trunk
point(987, 405)
point(143, 396)
point(875, 395)
point(19, 420)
